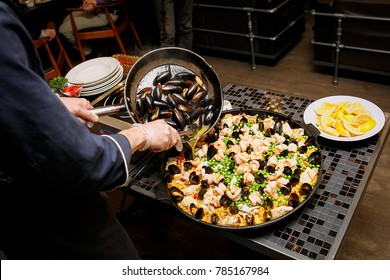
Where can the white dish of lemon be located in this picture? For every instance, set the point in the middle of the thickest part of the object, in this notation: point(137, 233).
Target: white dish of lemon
point(345, 118)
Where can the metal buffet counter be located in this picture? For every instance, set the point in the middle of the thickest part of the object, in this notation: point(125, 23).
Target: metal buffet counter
point(318, 230)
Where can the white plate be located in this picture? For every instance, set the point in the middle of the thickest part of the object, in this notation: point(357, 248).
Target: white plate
point(104, 82)
point(93, 70)
point(104, 88)
point(310, 116)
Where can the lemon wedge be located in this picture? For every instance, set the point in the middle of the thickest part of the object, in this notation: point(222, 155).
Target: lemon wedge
point(367, 126)
point(362, 118)
point(340, 129)
point(326, 118)
point(329, 130)
point(353, 130)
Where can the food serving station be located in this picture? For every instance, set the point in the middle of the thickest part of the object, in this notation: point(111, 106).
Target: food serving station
point(317, 230)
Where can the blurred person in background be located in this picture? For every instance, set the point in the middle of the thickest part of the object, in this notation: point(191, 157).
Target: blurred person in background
point(53, 171)
point(174, 19)
point(89, 18)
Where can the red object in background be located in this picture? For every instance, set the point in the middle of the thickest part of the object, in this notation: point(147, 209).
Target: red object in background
point(72, 90)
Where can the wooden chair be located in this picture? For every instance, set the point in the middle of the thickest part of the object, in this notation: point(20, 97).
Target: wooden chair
point(112, 30)
point(56, 54)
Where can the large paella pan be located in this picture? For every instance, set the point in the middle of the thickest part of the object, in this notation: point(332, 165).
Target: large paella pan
point(253, 169)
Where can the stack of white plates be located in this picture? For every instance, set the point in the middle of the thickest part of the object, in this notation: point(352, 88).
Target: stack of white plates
point(97, 75)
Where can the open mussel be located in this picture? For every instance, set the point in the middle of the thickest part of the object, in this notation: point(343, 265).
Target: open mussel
point(286, 189)
point(214, 219)
point(196, 212)
point(306, 189)
point(194, 178)
point(211, 152)
point(187, 165)
point(176, 194)
point(224, 200)
point(293, 200)
point(249, 218)
point(315, 158)
point(174, 169)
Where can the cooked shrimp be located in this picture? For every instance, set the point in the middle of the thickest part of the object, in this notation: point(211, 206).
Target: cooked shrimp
point(227, 131)
point(248, 178)
point(255, 198)
point(243, 168)
point(202, 152)
point(272, 161)
point(254, 166)
point(268, 123)
point(242, 158)
point(234, 193)
point(244, 145)
point(271, 189)
point(237, 119)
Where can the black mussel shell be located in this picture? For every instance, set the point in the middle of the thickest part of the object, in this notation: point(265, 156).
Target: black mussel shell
point(278, 127)
point(315, 158)
point(284, 153)
point(233, 210)
point(214, 219)
point(293, 200)
point(208, 169)
point(259, 178)
point(187, 165)
point(167, 176)
point(157, 92)
point(163, 77)
point(174, 169)
point(286, 189)
point(306, 188)
point(193, 208)
point(201, 192)
point(225, 201)
point(310, 141)
point(270, 169)
point(287, 170)
point(302, 149)
point(176, 194)
point(249, 218)
point(199, 213)
point(211, 152)
point(194, 178)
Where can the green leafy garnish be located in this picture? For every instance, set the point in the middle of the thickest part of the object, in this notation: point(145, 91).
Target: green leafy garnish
point(57, 82)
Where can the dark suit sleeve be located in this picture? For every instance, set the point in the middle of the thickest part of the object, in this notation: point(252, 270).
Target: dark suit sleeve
point(41, 138)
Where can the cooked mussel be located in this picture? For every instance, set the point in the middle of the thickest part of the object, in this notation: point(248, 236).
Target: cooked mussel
point(163, 76)
point(174, 169)
point(176, 194)
point(315, 158)
point(306, 189)
point(293, 200)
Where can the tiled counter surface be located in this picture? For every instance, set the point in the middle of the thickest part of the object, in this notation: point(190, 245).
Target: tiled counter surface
point(318, 230)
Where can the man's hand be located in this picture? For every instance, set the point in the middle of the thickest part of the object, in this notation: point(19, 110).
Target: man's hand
point(156, 136)
point(80, 107)
point(51, 33)
point(89, 5)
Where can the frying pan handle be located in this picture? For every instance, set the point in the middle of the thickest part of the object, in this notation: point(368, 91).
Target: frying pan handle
point(108, 110)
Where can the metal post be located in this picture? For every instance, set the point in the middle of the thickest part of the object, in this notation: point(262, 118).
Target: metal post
point(251, 36)
point(339, 46)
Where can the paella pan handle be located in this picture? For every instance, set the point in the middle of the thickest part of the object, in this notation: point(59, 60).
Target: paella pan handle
point(311, 129)
point(109, 110)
